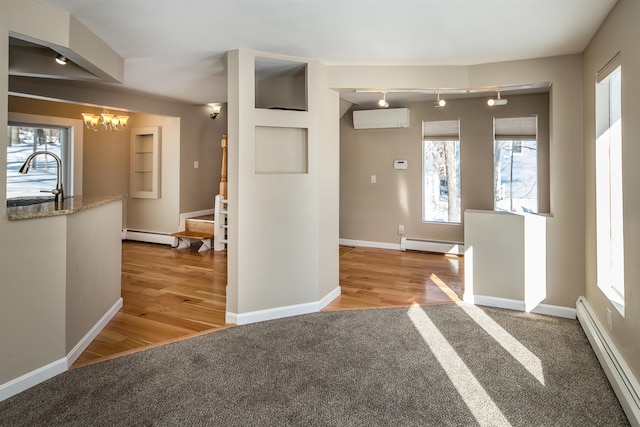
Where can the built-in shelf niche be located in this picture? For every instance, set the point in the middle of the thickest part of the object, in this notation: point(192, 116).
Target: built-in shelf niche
point(145, 163)
point(281, 150)
point(280, 84)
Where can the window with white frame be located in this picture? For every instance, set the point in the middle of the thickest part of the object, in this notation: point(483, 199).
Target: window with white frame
point(441, 171)
point(515, 164)
point(609, 194)
point(27, 138)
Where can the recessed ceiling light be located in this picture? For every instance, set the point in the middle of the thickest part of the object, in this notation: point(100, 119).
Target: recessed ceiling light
point(61, 59)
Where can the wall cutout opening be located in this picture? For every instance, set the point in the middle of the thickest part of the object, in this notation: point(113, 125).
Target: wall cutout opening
point(281, 150)
point(280, 84)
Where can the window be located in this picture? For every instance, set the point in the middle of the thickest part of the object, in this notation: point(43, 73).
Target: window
point(515, 164)
point(608, 151)
point(25, 139)
point(441, 171)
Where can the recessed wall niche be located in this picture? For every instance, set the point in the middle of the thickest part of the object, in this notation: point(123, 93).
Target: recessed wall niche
point(280, 84)
point(281, 150)
point(145, 163)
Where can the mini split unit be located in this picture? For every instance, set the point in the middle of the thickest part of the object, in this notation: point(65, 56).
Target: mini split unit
point(381, 119)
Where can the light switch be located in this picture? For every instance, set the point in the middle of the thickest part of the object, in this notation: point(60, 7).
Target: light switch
point(373, 179)
point(196, 164)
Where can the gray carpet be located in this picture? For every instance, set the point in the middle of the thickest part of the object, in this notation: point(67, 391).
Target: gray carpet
point(356, 368)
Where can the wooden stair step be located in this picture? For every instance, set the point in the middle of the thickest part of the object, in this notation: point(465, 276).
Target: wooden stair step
point(199, 225)
point(195, 235)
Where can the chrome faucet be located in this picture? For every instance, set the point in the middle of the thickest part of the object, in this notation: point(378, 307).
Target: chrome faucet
point(58, 194)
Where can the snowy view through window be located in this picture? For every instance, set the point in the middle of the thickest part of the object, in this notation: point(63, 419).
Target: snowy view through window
point(441, 181)
point(515, 176)
point(23, 141)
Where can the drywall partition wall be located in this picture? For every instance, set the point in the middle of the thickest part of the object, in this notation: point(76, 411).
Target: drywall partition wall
point(32, 300)
point(505, 261)
point(277, 242)
point(565, 228)
point(372, 212)
point(93, 283)
point(618, 33)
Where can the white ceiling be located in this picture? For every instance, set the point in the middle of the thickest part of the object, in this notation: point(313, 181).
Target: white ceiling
point(176, 48)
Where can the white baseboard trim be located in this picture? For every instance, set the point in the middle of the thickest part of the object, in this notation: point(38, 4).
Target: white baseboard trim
point(366, 244)
point(281, 312)
point(555, 310)
point(511, 304)
point(326, 300)
point(46, 372)
point(93, 333)
point(622, 380)
point(149, 237)
point(32, 378)
point(186, 215)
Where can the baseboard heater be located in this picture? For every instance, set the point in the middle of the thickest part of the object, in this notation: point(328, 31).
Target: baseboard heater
point(620, 376)
point(147, 236)
point(437, 246)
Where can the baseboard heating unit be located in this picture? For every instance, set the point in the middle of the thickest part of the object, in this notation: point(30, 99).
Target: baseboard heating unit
point(620, 376)
point(438, 246)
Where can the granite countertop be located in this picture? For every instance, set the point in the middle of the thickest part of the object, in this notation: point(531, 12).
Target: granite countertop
point(70, 205)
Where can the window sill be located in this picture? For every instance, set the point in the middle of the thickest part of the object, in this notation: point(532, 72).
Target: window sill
point(616, 300)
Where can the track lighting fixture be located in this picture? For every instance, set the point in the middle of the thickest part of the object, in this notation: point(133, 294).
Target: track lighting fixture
point(439, 102)
point(491, 102)
point(383, 102)
point(61, 59)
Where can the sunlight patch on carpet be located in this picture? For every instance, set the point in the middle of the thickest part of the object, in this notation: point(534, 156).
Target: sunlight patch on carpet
point(475, 397)
point(523, 355)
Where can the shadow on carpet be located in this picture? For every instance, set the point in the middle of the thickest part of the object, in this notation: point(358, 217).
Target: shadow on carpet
point(446, 365)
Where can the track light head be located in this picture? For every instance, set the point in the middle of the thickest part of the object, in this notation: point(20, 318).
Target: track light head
point(439, 102)
point(383, 102)
point(491, 102)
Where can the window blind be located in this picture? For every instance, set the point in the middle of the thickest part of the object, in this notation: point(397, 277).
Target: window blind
point(441, 130)
point(608, 68)
point(516, 128)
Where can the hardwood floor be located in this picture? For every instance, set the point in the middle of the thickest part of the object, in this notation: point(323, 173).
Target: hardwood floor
point(168, 295)
point(172, 294)
point(377, 278)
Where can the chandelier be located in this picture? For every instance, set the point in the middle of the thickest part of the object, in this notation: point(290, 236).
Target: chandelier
point(107, 120)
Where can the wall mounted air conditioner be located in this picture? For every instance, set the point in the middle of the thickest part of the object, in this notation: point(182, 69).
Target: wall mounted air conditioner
point(380, 119)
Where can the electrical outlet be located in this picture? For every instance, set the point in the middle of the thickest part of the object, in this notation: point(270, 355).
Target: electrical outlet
point(196, 165)
point(609, 321)
point(401, 229)
point(373, 179)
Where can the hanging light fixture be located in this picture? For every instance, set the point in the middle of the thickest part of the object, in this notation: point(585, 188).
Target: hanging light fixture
point(496, 101)
point(383, 102)
point(105, 120)
point(439, 102)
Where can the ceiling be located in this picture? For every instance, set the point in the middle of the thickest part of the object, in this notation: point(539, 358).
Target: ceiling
point(176, 48)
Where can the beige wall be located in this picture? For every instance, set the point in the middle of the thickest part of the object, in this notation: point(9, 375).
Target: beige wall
point(32, 300)
point(199, 135)
point(106, 163)
point(619, 33)
point(278, 245)
point(372, 212)
point(565, 228)
point(93, 284)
